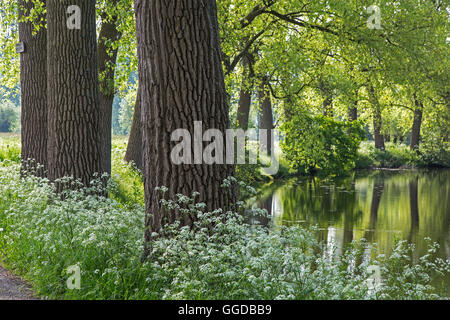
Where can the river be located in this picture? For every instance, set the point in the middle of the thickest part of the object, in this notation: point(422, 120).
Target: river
point(380, 206)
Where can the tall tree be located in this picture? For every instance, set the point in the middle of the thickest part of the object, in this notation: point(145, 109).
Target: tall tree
point(107, 55)
point(33, 83)
point(73, 91)
point(245, 94)
point(182, 81)
point(266, 116)
point(417, 123)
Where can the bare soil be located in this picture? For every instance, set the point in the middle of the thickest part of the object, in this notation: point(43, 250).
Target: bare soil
point(13, 288)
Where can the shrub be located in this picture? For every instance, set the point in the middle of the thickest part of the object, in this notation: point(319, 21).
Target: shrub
point(321, 143)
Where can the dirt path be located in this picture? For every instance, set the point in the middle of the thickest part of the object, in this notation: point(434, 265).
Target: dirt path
point(13, 288)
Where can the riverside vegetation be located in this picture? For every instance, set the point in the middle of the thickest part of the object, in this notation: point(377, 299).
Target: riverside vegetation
point(220, 257)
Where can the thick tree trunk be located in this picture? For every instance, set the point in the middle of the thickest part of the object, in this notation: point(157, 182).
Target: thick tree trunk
point(73, 93)
point(181, 79)
point(134, 147)
point(377, 119)
point(107, 56)
point(265, 117)
point(33, 84)
point(417, 123)
point(245, 95)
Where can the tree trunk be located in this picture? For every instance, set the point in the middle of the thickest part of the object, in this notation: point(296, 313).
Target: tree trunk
point(33, 84)
point(73, 93)
point(265, 117)
point(288, 108)
point(107, 56)
point(353, 112)
point(377, 120)
point(134, 147)
point(417, 123)
point(182, 81)
point(245, 95)
point(327, 105)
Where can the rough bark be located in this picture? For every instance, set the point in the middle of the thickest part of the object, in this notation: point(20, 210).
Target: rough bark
point(417, 123)
point(33, 83)
point(265, 116)
point(134, 147)
point(245, 95)
point(73, 93)
point(182, 81)
point(107, 56)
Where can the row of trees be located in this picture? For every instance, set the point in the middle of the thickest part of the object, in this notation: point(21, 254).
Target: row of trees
point(324, 57)
point(67, 87)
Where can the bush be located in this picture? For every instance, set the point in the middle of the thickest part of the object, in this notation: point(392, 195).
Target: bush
point(434, 153)
point(394, 156)
point(321, 143)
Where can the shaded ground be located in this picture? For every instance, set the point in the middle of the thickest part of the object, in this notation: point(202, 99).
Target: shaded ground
point(13, 288)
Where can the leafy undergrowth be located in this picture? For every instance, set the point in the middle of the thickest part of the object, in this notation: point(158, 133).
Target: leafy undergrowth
point(399, 155)
point(221, 257)
point(126, 185)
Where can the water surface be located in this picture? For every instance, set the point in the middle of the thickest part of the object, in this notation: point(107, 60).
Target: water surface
point(380, 206)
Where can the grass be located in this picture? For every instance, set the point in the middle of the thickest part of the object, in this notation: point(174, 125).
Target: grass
point(9, 147)
point(42, 235)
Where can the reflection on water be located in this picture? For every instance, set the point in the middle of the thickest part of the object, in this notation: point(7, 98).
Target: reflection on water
point(380, 206)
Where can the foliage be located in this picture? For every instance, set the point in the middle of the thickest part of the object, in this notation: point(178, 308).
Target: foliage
point(400, 156)
point(321, 143)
